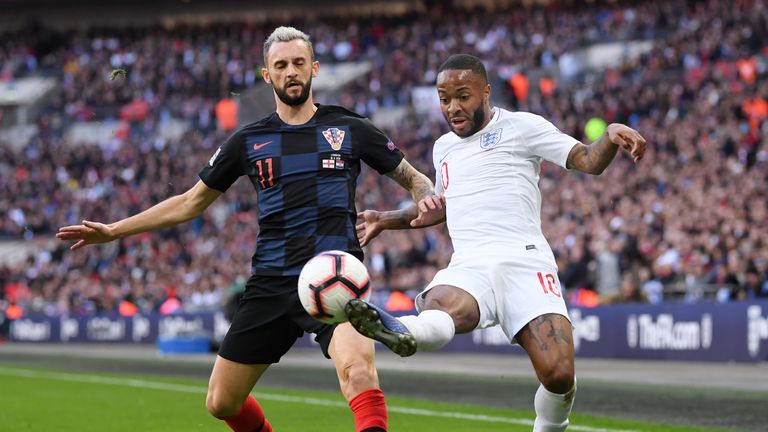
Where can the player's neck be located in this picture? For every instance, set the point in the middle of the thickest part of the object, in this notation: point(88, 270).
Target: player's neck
point(487, 119)
point(296, 115)
point(489, 113)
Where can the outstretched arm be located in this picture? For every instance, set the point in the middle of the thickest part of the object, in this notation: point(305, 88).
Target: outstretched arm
point(429, 208)
point(429, 211)
point(170, 212)
point(412, 180)
point(594, 158)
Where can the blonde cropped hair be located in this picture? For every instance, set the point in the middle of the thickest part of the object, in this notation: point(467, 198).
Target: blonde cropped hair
point(287, 34)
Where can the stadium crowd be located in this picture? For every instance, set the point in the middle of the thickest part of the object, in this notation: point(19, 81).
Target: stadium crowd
point(688, 223)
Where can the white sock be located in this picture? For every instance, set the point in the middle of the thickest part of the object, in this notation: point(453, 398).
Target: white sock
point(432, 329)
point(552, 409)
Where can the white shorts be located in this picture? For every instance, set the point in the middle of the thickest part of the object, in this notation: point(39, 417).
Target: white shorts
point(510, 290)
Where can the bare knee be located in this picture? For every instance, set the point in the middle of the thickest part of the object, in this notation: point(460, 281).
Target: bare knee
point(230, 385)
point(357, 376)
point(220, 405)
point(558, 377)
point(457, 303)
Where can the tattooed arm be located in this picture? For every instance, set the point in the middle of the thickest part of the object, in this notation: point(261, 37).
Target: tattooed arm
point(423, 192)
point(594, 158)
point(412, 180)
point(429, 208)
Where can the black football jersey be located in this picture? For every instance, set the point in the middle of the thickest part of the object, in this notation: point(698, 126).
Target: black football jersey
point(305, 177)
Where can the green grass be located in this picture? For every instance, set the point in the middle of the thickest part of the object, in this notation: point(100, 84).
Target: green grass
point(40, 400)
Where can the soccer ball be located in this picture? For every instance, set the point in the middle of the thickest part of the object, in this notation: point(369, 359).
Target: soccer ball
point(328, 281)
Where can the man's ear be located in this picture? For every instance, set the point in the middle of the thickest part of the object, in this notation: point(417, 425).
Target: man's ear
point(315, 68)
point(265, 75)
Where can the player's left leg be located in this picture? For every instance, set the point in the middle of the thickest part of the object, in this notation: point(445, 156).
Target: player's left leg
point(229, 398)
point(548, 340)
point(446, 310)
point(457, 300)
point(261, 332)
point(353, 356)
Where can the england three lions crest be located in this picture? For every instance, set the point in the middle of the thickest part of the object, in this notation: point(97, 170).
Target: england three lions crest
point(335, 137)
point(490, 139)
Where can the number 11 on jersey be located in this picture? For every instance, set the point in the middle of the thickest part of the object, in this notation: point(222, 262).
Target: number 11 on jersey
point(265, 165)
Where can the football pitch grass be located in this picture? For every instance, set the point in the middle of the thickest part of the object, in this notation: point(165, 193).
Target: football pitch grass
point(33, 399)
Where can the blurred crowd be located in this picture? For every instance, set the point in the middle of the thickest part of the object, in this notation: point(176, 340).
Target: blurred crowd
point(688, 223)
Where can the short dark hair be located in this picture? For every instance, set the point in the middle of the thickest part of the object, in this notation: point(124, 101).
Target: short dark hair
point(465, 62)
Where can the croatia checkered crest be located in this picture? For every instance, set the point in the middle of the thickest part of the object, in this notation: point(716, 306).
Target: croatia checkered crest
point(328, 281)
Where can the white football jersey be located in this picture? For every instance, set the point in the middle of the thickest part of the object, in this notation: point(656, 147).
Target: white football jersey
point(490, 182)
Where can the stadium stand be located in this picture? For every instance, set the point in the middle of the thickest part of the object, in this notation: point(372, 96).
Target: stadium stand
point(689, 224)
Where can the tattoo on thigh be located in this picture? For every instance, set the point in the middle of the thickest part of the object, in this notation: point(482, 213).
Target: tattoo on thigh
point(554, 332)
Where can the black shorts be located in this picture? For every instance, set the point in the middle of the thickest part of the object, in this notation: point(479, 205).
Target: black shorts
point(264, 328)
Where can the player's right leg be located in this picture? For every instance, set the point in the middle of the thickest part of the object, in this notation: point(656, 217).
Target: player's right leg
point(229, 397)
point(548, 340)
point(446, 310)
point(533, 313)
point(353, 356)
point(261, 332)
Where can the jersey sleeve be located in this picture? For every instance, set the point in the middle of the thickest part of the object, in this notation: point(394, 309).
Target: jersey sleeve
point(439, 189)
point(545, 140)
point(226, 164)
point(376, 149)
point(437, 156)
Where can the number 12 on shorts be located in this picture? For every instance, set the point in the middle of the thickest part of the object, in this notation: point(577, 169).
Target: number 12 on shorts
point(548, 283)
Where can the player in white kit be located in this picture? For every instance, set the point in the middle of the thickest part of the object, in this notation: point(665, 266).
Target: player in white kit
point(502, 270)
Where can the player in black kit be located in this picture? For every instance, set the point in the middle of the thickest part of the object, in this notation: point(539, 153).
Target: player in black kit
point(303, 160)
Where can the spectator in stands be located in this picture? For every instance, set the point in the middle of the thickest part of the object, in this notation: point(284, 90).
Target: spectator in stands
point(700, 94)
point(752, 287)
point(629, 292)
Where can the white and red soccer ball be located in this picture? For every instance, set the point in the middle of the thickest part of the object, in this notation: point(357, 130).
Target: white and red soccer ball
point(328, 281)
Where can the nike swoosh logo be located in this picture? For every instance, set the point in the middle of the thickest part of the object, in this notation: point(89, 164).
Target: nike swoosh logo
point(258, 146)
